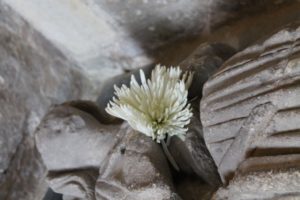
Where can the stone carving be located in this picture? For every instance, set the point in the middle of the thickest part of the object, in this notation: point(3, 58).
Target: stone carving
point(36, 71)
point(192, 154)
point(69, 142)
point(276, 177)
point(135, 169)
point(88, 160)
point(98, 161)
point(250, 115)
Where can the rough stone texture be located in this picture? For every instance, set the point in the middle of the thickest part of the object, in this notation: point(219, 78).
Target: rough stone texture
point(204, 61)
point(245, 30)
point(33, 75)
point(77, 136)
point(192, 188)
point(136, 169)
point(76, 149)
point(102, 48)
point(116, 38)
point(74, 184)
point(122, 35)
point(192, 155)
point(250, 107)
point(267, 178)
point(154, 23)
point(251, 20)
point(73, 145)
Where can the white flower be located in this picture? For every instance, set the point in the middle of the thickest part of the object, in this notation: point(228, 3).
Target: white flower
point(158, 107)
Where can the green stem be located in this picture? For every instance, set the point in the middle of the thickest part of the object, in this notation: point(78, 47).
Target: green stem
point(168, 154)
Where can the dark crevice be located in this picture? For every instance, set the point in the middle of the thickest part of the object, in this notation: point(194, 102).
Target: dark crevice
point(260, 152)
point(295, 132)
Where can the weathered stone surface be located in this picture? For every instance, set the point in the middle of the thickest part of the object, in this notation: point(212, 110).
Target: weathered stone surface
point(153, 23)
point(33, 75)
point(77, 136)
point(192, 155)
point(25, 176)
point(204, 61)
point(102, 48)
point(120, 36)
point(250, 22)
point(74, 146)
point(267, 177)
point(192, 188)
point(250, 107)
point(74, 184)
point(136, 169)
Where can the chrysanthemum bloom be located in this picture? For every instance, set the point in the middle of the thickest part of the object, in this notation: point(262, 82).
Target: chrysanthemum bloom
point(158, 107)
